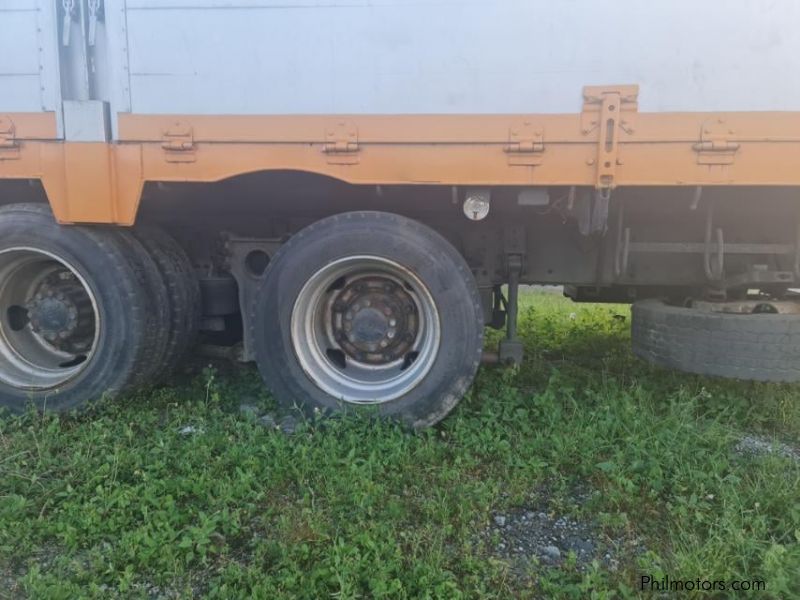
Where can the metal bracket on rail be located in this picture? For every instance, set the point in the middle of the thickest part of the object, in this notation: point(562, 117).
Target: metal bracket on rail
point(609, 110)
point(178, 143)
point(715, 146)
point(525, 144)
point(341, 143)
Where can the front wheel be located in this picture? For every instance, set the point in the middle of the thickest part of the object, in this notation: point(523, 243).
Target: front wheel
point(369, 308)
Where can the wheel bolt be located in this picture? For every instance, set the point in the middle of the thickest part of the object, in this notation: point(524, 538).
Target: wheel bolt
point(392, 322)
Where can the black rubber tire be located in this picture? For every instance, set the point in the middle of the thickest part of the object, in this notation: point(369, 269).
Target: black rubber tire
point(156, 323)
point(417, 247)
point(123, 305)
point(757, 347)
point(179, 281)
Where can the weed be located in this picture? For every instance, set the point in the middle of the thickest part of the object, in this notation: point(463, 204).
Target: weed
point(121, 503)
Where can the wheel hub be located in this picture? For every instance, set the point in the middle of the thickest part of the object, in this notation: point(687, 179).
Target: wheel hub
point(375, 320)
point(61, 313)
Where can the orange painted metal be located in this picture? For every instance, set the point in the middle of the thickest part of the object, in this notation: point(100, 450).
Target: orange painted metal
point(102, 183)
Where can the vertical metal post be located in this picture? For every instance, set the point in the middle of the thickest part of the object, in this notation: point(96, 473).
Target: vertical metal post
point(511, 349)
point(513, 303)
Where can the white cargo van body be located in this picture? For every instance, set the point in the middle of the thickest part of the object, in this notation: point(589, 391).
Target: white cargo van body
point(398, 56)
point(342, 191)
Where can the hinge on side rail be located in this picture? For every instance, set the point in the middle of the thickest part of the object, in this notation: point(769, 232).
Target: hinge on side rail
point(9, 145)
point(178, 144)
point(715, 147)
point(341, 143)
point(610, 111)
point(525, 144)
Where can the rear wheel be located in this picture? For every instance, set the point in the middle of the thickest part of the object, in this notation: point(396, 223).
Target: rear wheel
point(73, 313)
point(370, 309)
point(179, 283)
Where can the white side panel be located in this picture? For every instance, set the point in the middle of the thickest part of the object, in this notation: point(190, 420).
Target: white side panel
point(29, 80)
point(458, 56)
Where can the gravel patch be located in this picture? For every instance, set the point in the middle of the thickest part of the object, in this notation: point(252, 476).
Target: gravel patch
point(530, 534)
point(753, 445)
point(528, 538)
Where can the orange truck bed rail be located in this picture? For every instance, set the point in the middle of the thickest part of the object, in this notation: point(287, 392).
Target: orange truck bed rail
point(609, 144)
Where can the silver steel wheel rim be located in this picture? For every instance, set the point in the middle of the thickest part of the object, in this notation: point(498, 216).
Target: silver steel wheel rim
point(49, 322)
point(365, 329)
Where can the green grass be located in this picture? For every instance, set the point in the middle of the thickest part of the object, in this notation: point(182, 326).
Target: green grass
point(119, 503)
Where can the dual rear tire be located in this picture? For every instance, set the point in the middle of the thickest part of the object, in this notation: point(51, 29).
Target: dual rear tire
point(86, 312)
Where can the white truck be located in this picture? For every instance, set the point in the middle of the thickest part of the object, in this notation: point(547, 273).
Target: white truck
point(340, 190)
